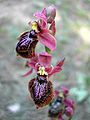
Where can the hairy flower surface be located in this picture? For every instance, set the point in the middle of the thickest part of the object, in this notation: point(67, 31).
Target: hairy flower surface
point(41, 90)
point(27, 43)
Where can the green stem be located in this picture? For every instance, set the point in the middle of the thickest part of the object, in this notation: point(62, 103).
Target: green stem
point(47, 50)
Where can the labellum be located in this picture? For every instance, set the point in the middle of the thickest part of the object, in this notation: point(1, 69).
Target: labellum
point(26, 45)
point(41, 90)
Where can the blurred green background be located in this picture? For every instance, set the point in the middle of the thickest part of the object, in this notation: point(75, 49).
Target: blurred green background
point(73, 43)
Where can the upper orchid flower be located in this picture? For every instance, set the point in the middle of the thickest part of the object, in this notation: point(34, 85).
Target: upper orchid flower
point(44, 34)
point(39, 32)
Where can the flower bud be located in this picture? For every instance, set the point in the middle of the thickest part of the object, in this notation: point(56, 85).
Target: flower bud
point(69, 111)
point(50, 13)
point(65, 91)
point(69, 102)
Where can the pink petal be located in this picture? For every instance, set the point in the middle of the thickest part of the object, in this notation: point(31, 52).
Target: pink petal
point(56, 93)
point(48, 40)
point(48, 69)
point(57, 68)
point(69, 111)
point(28, 73)
point(69, 102)
point(32, 64)
point(42, 16)
point(27, 64)
point(45, 59)
point(43, 11)
point(65, 90)
point(32, 61)
point(60, 63)
point(53, 28)
point(60, 116)
point(37, 65)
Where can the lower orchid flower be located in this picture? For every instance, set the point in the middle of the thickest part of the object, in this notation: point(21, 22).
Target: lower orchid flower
point(40, 87)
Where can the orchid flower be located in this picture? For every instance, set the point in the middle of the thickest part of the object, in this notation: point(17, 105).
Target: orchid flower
point(41, 87)
point(28, 40)
point(44, 35)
